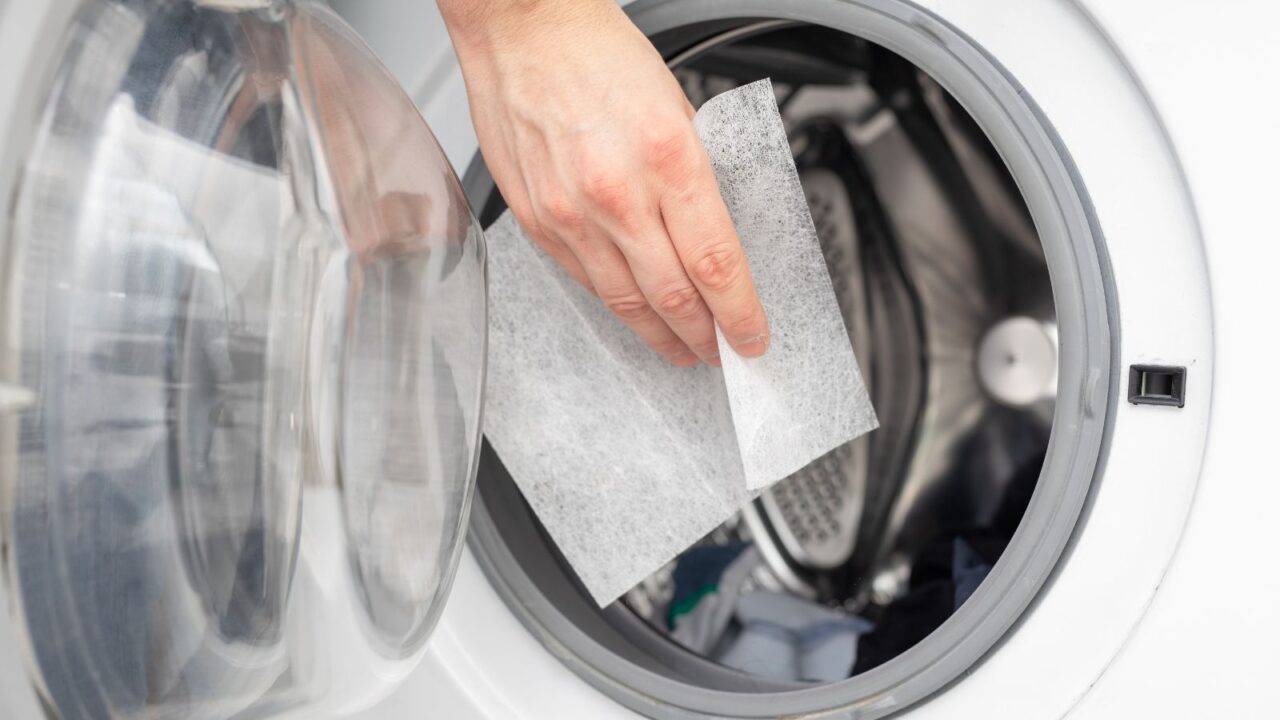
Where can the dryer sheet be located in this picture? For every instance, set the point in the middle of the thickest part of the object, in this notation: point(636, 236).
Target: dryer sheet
point(627, 460)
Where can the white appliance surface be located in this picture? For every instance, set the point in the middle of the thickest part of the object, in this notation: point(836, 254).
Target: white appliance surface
point(1163, 110)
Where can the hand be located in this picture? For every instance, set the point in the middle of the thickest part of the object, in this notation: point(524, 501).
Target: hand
point(591, 141)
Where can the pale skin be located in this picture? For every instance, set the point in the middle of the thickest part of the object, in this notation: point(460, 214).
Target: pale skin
point(591, 141)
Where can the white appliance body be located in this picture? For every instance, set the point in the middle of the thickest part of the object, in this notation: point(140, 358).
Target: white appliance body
point(1163, 605)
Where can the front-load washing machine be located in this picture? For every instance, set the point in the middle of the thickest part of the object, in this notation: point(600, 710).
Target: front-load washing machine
point(243, 358)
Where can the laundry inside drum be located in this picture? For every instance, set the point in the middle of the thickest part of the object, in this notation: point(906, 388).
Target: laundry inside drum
point(943, 284)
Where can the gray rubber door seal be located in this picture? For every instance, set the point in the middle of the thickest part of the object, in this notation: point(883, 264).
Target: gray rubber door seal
point(646, 672)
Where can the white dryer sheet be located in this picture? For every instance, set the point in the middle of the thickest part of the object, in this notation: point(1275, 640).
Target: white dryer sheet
point(627, 460)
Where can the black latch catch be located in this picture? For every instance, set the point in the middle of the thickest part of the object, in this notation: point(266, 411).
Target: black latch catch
point(1157, 385)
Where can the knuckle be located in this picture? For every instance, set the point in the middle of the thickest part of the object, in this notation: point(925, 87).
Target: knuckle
point(669, 149)
point(608, 190)
point(679, 303)
point(564, 214)
point(719, 267)
point(629, 307)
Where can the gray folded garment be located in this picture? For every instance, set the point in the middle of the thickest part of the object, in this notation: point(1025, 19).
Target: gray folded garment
point(628, 460)
point(789, 638)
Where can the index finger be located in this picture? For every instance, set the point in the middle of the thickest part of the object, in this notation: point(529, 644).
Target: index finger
point(699, 226)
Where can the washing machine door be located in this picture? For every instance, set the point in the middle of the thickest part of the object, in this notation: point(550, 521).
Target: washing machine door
point(243, 348)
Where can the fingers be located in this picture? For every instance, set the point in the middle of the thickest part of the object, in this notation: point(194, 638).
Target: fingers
point(518, 201)
point(629, 220)
point(551, 245)
point(641, 224)
point(586, 229)
point(583, 247)
point(661, 277)
point(618, 290)
point(703, 236)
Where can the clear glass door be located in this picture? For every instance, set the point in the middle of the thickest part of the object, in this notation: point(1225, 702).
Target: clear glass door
point(244, 339)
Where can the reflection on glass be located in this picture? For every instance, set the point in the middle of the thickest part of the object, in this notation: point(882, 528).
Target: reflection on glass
point(250, 317)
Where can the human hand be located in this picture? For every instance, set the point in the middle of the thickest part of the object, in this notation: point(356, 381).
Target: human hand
point(591, 141)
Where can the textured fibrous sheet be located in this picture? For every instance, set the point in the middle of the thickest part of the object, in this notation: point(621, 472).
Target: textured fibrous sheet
point(628, 460)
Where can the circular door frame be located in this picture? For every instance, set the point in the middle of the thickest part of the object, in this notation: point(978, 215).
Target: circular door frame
point(1176, 338)
point(1084, 307)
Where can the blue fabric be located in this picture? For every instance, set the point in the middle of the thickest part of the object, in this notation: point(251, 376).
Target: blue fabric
point(697, 573)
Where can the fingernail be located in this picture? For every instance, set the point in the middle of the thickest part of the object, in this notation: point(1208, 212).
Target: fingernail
point(685, 359)
point(752, 346)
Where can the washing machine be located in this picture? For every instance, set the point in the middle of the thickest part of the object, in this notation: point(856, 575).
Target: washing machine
point(243, 368)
